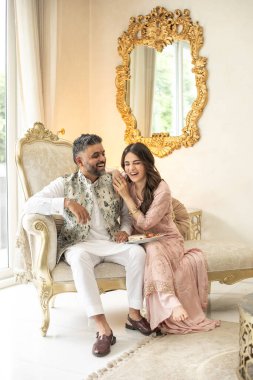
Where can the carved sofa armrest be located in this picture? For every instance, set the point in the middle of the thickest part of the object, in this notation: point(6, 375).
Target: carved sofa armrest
point(42, 236)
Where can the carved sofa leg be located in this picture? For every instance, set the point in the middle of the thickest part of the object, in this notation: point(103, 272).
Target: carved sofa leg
point(45, 294)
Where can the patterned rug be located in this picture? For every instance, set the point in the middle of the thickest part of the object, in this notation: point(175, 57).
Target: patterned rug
point(201, 356)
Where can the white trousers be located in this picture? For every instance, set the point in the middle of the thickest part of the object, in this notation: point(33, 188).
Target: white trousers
point(83, 263)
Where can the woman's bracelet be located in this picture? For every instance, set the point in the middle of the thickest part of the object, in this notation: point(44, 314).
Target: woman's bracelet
point(134, 211)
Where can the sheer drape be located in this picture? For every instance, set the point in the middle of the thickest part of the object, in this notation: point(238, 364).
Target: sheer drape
point(29, 78)
point(48, 17)
point(142, 87)
point(36, 42)
point(36, 56)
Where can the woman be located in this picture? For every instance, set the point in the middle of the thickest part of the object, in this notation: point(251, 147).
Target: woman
point(175, 282)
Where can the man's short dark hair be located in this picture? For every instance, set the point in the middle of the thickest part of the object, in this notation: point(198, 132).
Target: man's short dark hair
point(82, 142)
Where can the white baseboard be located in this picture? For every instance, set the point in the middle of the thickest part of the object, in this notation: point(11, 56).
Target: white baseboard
point(5, 282)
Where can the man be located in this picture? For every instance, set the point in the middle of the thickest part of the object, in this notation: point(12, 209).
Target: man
point(91, 234)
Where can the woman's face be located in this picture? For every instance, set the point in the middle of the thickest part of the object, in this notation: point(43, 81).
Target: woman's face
point(134, 168)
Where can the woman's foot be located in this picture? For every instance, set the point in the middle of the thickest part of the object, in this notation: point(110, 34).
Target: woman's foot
point(179, 314)
point(135, 314)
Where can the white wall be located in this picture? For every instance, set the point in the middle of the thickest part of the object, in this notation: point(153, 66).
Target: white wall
point(214, 175)
point(71, 110)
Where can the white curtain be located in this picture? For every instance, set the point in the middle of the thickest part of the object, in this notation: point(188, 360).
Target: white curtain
point(142, 87)
point(49, 53)
point(29, 78)
point(36, 43)
point(36, 55)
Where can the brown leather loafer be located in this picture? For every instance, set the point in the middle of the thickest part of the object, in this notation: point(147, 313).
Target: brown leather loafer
point(103, 344)
point(142, 325)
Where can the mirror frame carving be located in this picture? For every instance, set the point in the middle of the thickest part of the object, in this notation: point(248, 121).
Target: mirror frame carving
point(158, 29)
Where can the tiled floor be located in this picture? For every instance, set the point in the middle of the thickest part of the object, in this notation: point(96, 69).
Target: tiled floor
point(65, 354)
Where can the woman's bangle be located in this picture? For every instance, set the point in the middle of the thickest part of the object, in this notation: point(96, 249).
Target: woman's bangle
point(134, 211)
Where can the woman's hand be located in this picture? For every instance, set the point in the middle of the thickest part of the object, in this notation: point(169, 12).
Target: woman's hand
point(121, 236)
point(120, 186)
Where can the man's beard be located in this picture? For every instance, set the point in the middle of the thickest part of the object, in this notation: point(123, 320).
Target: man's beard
point(93, 170)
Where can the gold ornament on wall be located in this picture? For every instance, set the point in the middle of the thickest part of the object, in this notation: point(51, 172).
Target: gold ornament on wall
point(157, 30)
point(61, 132)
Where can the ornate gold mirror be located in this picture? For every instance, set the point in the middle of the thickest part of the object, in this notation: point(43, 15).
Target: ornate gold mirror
point(161, 83)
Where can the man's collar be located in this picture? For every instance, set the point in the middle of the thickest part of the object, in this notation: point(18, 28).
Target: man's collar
point(84, 179)
point(88, 182)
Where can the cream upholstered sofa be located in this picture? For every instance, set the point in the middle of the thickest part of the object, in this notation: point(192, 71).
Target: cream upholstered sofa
point(41, 157)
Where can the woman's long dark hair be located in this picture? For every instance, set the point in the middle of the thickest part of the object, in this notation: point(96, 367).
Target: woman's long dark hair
point(153, 176)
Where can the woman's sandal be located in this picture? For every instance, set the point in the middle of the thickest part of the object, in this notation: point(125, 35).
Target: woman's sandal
point(142, 325)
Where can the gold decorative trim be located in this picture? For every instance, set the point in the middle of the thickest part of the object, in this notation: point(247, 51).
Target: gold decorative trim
point(158, 29)
point(43, 277)
point(61, 132)
point(45, 293)
point(230, 277)
point(194, 232)
point(39, 132)
point(245, 368)
point(109, 284)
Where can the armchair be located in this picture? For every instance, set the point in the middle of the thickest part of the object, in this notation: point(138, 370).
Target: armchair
point(41, 157)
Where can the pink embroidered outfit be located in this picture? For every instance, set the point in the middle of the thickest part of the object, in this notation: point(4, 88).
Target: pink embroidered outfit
point(172, 275)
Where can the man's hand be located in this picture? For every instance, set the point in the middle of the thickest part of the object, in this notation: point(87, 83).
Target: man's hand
point(80, 212)
point(121, 236)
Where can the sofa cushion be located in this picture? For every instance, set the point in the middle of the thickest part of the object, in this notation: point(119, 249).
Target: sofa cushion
point(223, 255)
point(62, 271)
point(220, 256)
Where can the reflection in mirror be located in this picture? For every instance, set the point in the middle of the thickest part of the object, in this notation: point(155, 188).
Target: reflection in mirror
point(162, 88)
point(161, 82)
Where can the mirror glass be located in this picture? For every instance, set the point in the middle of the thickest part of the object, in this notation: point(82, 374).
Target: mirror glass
point(161, 81)
point(161, 88)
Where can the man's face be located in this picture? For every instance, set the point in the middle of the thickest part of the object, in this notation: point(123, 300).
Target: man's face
point(92, 161)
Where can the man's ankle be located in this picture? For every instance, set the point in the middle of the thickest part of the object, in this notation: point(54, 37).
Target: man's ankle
point(102, 326)
point(104, 331)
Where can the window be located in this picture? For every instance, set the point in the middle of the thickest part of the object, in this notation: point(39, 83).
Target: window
point(4, 262)
point(8, 136)
point(162, 88)
point(174, 88)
